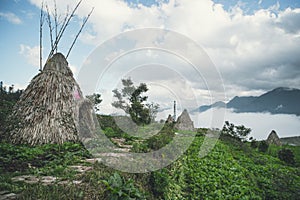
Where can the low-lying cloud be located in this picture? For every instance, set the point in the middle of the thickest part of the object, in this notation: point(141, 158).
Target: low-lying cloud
point(260, 123)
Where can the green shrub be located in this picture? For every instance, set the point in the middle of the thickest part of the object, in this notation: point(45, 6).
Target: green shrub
point(109, 132)
point(8, 98)
point(119, 188)
point(140, 147)
point(287, 156)
point(48, 159)
point(254, 144)
point(159, 181)
point(263, 146)
point(201, 132)
point(162, 138)
point(107, 121)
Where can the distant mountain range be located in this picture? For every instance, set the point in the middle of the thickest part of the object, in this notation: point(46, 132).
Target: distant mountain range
point(281, 100)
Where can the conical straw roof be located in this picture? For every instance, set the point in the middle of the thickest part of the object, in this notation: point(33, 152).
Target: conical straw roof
point(46, 110)
point(184, 122)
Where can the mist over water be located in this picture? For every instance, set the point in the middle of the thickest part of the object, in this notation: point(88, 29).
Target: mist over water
point(260, 123)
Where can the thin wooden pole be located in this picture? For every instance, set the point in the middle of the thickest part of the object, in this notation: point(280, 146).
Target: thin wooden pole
point(63, 28)
point(84, 22)
point(41, 37)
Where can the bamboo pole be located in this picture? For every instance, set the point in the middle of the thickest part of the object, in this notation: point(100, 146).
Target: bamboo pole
point(83, 24)
point(63, 28)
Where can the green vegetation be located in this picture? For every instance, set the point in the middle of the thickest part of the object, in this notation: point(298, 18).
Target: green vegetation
point(131, 100)
point(119, 188)
point(230, 171)
point(287, 156)
point(263, 146)
point(234, 169)
point(8, 98)
point(239, 132)
point(155, 142)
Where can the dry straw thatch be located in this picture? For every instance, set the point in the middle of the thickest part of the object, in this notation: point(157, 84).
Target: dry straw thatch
point(46, 111)
point(273, 138)
point(184, 122)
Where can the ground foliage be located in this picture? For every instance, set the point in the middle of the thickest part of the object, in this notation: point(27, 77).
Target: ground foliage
point(232, 170)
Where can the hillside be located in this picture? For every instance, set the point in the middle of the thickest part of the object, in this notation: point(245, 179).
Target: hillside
point(278, 101)
point(232, 170)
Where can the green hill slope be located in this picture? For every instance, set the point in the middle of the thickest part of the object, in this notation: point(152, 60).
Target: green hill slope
point(232, 170)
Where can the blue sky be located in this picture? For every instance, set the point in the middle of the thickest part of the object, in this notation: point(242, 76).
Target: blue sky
point(245, 26)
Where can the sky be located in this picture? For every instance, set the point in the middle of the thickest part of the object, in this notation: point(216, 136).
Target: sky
point(254, 44)
point(251, 46)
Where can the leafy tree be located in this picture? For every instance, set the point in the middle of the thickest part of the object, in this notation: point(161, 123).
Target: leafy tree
point(139, 113)
point(238, 132)
point(95, 100)
point(133, 102)
point(287, 156)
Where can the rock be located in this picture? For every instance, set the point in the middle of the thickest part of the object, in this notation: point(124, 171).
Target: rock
point(48, 180)
point(26, 179)
point(184, 122)
point(8, 196)
point(273, 138)
point(81, 168)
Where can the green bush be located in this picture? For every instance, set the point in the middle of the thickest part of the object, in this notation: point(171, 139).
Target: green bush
point(254, 144)
point(263, 146)
point(120, 189)
point(8, 98)
point(109, 132)
point(48, 159)
point(162, 138)
point(159, 181)
point(140, 147)
point(287, 156)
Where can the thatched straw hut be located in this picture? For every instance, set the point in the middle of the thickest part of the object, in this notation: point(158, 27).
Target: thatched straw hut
point(47, 109)
point(273, 138)
point(184, 122)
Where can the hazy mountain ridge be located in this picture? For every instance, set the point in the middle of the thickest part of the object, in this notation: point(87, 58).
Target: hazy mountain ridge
point(281, 100)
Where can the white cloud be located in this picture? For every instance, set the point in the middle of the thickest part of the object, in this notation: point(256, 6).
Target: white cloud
point(31, 54)
point(11, 17)
point(250, 50)
point(260, 123)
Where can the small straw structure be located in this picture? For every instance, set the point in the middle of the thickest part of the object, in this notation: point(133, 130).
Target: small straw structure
point(46, 111)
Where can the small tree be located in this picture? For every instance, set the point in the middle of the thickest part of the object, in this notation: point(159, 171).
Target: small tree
point(139, 113)
point(238, 132)
point(287, 156)
point(132, 101)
